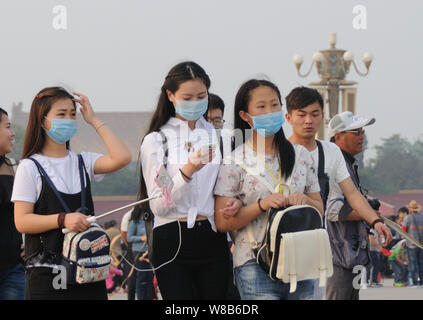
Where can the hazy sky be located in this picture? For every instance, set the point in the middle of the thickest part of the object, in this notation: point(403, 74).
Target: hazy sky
point(118, 52)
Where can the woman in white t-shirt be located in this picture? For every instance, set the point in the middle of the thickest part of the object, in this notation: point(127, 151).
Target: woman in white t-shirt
point(258, 106)
point(38, 212)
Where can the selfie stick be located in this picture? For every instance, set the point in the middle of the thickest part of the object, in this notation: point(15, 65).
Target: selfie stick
point(94, 218)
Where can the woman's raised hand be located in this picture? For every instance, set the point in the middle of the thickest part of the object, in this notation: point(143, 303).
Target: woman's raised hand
point(86, 109)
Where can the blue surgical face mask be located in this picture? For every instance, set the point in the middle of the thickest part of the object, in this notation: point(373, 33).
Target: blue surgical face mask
point(62, 130)
point(192, 110)
point(269, 122)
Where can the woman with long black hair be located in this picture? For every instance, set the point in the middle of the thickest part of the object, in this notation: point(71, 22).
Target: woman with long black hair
point(191, 257)
point(273, 159)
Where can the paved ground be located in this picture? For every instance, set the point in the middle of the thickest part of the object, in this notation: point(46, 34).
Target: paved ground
point(387, 292)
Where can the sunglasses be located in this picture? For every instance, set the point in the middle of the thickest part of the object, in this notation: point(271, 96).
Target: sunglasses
point(357, 132)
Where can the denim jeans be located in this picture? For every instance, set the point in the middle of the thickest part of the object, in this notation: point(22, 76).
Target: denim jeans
point(12, 283)
point(399, 271)
point(373, 268)
point(254, 284)
point(415, 258)
point(144, 281)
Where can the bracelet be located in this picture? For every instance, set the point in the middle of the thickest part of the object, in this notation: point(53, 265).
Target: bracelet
point(258, 202)
point(102, 124)
point(376, 221)
point(61, 220)
point(185, 176)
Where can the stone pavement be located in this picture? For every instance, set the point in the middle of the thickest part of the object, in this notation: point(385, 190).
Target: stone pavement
point(387, 292)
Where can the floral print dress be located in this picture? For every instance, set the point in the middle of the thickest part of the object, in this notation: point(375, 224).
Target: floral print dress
point(234, 181)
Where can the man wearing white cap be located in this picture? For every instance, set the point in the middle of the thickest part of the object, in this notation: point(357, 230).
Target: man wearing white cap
point(305, 114)
point(347, 229)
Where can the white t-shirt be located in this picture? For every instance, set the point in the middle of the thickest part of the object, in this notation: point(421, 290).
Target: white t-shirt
point(125, 221)
point(335, 168)
point(64, 174)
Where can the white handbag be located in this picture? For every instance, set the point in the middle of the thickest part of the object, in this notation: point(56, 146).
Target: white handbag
point(295, 247)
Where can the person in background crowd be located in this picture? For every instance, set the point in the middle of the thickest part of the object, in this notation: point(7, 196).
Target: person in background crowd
point(402, 213)
point(347, 227)
point(216, 111)
point(399, 263)
point(111, 229)
point(215, 117)
point(138, 240)
point(12, 274)
point(413, 224)
point(374, 267)
point(128, 257)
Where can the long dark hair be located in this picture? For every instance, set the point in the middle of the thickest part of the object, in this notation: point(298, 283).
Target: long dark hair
point(242, 99)
point(35, 136)
point(165, 109)
point(3, 156)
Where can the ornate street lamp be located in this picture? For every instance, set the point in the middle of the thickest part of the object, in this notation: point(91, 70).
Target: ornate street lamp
point(332, 66)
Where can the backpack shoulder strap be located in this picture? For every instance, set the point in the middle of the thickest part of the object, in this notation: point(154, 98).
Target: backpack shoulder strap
point(82, 170)
point(165, 148)
point(321, 168)
point(53, 187)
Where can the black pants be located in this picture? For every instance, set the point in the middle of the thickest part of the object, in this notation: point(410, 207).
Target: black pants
point(40, 286)
point(200, 270)
point(341, 285)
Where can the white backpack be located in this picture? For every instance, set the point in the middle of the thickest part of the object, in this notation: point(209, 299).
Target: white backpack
point(295, 246)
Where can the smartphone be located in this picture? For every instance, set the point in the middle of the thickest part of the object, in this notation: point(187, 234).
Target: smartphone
point(208, 148)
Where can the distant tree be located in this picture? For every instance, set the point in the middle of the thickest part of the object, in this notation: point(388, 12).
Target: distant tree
point(19, 140)
point(120, 183)
point(398, 165)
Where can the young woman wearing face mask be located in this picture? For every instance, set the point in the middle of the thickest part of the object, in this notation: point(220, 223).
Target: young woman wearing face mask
point(38, 212)
point(258, 106)
point(191, 257)
point(12, 273)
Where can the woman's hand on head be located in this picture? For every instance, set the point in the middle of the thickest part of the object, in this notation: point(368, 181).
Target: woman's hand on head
point(86, 109)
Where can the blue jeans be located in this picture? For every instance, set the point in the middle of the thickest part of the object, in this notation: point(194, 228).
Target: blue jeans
point(144, 281)
point(12, 283)
point(399, 271)
point(374, 267)
point(254, 284)
point(415, 266)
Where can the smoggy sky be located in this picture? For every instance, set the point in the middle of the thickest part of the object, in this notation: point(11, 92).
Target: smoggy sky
point(118, 52)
